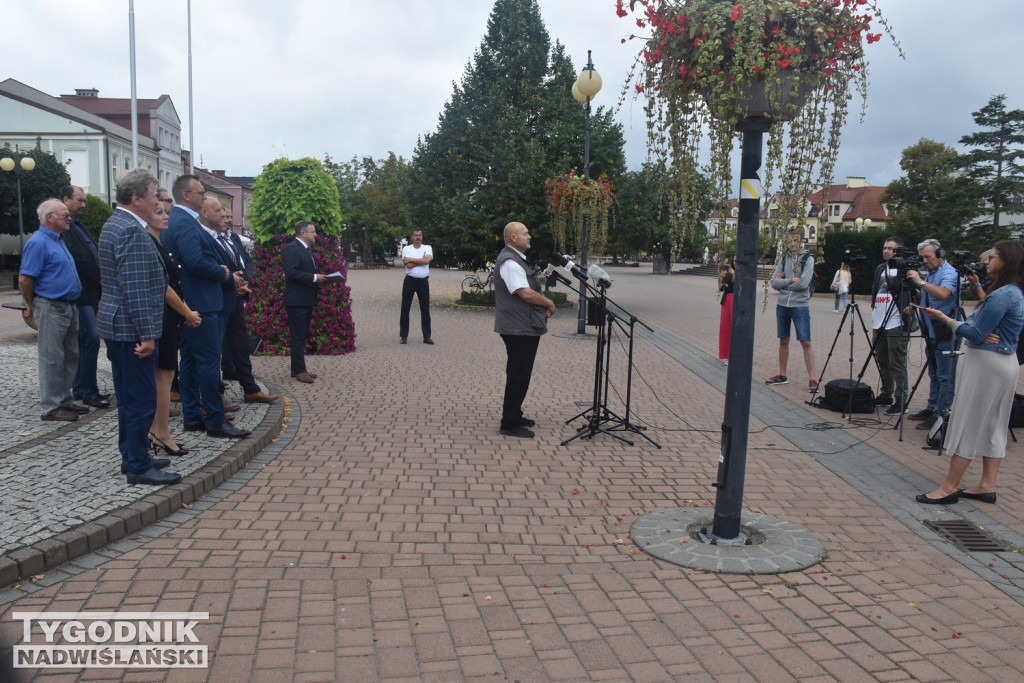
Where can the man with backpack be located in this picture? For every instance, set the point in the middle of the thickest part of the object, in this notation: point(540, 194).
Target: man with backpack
point(792, 278)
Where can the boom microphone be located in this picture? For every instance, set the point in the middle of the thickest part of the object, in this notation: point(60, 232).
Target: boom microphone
point(600, 274)
point(550, 272)
point(566, 263)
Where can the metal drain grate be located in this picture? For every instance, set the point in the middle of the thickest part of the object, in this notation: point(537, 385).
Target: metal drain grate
point(966, 536)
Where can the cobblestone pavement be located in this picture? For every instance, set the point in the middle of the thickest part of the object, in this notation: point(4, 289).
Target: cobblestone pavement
point(396, 535)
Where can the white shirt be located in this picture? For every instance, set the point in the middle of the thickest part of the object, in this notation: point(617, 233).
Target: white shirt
point(882, 301)
point(409, 251)
point(513, 274)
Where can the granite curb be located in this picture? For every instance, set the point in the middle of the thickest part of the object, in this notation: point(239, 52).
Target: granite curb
point(23, 563)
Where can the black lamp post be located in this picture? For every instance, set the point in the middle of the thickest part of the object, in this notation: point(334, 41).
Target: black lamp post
point(583, 90)
point(25, 163)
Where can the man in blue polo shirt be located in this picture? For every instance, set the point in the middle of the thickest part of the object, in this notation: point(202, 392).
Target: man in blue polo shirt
point(49, 283)
point(936, 290)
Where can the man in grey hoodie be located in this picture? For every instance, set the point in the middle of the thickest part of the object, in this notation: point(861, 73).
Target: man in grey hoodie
point(792, 279)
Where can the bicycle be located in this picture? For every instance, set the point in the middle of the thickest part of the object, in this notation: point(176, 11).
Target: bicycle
point(473, 283)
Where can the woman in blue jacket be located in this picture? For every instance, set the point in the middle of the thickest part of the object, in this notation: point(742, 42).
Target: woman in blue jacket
point(988, 376)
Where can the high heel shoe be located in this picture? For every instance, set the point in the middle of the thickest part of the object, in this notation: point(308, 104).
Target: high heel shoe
point(158, 443)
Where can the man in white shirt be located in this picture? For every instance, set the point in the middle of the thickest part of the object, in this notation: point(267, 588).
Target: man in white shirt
point(887, 326)
point(416, 257)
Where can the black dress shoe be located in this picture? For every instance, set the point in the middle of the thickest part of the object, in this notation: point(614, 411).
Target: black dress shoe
point(96, 402)
point(195, 426)
point(158, 463)
point(105, 397)
point(945, 500)
point(517, 431)
point(527, 422)
point(154, 477)
point(227, 431)
point(983, 497)
point(428, 340)
point(403, 340)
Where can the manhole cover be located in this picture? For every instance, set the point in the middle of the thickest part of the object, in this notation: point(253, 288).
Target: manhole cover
point(966, 536)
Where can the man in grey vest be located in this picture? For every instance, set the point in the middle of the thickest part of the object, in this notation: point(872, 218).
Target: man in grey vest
point(521, 315)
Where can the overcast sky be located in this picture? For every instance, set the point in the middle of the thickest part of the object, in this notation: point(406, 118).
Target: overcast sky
point(308, 77)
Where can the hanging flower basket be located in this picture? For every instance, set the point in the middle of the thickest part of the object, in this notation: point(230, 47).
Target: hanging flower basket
point(570, 200)
point(705, 65)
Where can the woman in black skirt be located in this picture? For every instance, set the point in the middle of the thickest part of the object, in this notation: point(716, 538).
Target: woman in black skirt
point(175, 311)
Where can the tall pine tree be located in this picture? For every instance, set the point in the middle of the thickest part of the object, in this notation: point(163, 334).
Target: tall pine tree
point(510, 124)
point(994, 163)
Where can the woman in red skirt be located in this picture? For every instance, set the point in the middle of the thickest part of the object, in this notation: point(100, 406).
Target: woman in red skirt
point(725, 321)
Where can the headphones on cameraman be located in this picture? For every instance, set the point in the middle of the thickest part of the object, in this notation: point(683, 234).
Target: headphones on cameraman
point(934, 243)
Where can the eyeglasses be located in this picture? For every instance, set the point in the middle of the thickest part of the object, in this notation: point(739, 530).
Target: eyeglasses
point(168, 200)
point(60, 215)
point(202, 192)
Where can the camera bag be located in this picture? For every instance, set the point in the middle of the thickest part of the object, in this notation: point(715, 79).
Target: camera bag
point(838, 396)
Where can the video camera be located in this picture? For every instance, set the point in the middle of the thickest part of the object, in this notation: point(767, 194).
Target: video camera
point(961, 261)
point(854, 256)
point(905, 259)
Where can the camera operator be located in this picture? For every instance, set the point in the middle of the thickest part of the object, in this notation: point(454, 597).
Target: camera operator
point(977, 271)
point(936, 291)
point(889, 301)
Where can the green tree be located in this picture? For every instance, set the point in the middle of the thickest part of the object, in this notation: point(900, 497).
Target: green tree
point(286, 192)
point(95, 215)
point(932, 199)
point(994, 163)
point(37, 185)
point(510, 124)
point(641, 221)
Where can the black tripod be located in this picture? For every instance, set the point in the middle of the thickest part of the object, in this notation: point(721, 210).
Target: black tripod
point(599, 417)
point(852, 306)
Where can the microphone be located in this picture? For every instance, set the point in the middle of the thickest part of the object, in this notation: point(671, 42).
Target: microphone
point(550, 272)
point(566, 263)
point(600, 274)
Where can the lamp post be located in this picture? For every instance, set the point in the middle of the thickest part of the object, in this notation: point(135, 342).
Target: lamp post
point(583, 90)
point(25, 163)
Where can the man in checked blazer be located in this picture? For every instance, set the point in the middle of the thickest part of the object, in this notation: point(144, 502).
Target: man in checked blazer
point(205, 280)
point(131, 319)
point(300, 294)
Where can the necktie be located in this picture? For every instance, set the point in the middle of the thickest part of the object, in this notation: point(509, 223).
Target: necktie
point(230, 252)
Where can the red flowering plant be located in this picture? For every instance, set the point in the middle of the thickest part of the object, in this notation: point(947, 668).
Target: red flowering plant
point(704, 65)
point(570, 199)
point(286, 192)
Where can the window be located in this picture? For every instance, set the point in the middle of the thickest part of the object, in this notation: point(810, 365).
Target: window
point(773, 213)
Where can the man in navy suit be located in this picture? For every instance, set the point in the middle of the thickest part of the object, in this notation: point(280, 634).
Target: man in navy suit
point(131, 320)
point(205, 279)
point(236, 335)
point(300, 294)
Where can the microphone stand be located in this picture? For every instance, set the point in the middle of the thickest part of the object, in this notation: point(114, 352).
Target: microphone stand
point(599, 414)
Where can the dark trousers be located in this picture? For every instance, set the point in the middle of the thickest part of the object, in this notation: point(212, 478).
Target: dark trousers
point(421, 288)
point(521, 352)
point(298, 331)
point(135, 388)
point(84, 385)
point(199, 371)
point(236, 351)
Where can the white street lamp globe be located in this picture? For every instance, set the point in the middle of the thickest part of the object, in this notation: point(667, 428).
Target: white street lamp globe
point(28, 163)
point(7, 164)
point(589, 82)
point(577, 95)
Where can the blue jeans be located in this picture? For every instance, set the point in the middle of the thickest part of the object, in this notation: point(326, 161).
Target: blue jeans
point(941, 373)
point(838, 295)
point(84, 384)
